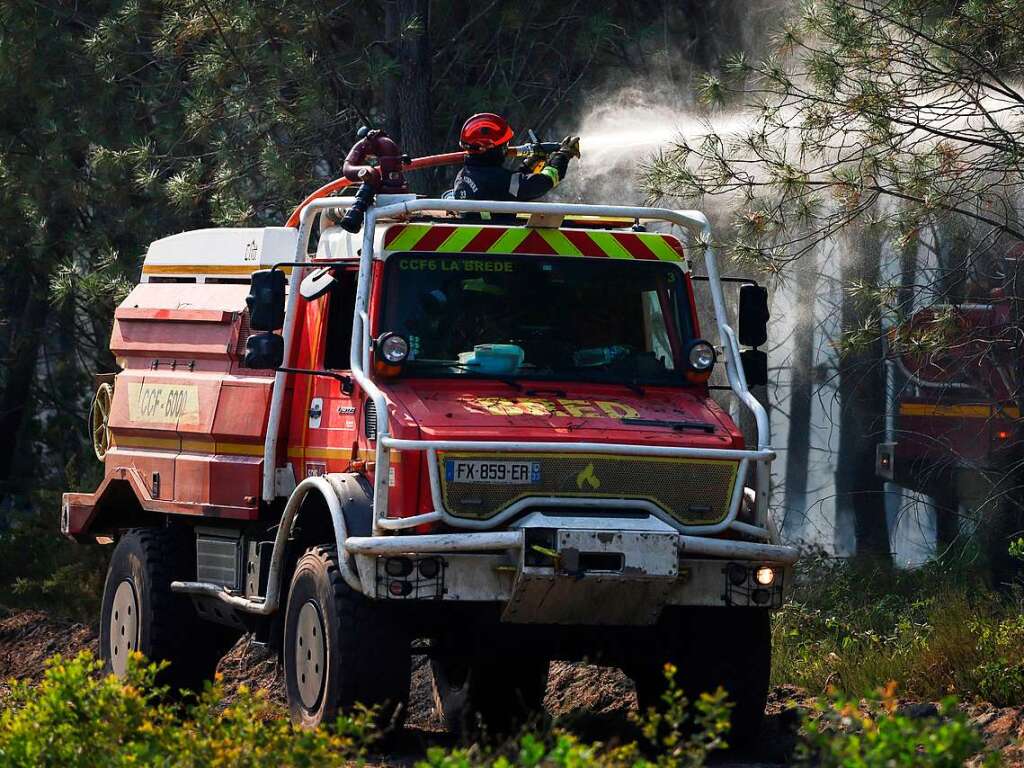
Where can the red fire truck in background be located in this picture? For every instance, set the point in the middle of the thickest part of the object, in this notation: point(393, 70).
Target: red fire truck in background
point(954, 416)
point(491, 437)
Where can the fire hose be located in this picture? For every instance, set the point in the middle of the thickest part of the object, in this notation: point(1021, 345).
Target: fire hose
point(388, 175)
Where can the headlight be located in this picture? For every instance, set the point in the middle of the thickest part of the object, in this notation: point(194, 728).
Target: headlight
point(765, 576)
point(701, 355)
point(393, 348)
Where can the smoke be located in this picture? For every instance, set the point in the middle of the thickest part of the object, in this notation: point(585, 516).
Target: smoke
point(628, 126)
point(649, 101)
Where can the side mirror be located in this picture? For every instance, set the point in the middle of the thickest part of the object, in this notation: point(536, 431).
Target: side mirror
point(317, 283)
point(755, 367)
point(754, 314)
point(266, 300)
point(263, 351)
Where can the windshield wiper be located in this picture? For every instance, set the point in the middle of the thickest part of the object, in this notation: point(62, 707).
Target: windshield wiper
point(678, 426)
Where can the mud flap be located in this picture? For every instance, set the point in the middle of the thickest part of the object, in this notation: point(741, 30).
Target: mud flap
point(595, 577)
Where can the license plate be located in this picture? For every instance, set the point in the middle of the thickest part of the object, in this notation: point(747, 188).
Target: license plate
point(498, 472)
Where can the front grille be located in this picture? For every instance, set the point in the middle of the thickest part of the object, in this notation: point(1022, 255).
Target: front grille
point(693, 491)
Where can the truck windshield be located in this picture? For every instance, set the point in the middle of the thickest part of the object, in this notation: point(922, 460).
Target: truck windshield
point(536, 317)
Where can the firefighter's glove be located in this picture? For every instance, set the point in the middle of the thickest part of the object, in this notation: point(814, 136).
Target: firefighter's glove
point(533, 163)
point(570, 146)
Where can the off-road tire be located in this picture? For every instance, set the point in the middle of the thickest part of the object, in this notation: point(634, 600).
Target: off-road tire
point(496, 695)
point(364, 649)
point(727, 647)
point(165, 625)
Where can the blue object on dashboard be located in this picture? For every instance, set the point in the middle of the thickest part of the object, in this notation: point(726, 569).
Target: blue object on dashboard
point(494, 358)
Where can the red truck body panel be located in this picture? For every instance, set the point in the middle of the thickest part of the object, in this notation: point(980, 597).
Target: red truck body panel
point(187, 423)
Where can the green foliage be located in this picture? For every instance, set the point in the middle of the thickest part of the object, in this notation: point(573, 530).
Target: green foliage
point(1000, 674)
point(910, 104)
point(40, 568)
point(936, 631)
point(678, 736)
point(1017, 549)
point(847, 734)
point(78, 718)
point(683, 734)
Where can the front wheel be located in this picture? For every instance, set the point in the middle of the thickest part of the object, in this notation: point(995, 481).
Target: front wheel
point(141, 613)
point(339, 647)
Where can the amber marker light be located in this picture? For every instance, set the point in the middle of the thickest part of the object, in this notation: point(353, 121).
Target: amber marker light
point(386, 371)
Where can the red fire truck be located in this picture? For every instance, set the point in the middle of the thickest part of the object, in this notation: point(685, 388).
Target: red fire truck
point(481, 427)
point(953, 416)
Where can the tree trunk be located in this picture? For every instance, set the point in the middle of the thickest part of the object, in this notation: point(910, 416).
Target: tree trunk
point(407, 25)
point(392, 30)
point(801, 392)
point(860, 498)
point(17, 391)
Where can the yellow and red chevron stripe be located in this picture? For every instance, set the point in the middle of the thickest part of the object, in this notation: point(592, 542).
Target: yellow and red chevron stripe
point(467, 238)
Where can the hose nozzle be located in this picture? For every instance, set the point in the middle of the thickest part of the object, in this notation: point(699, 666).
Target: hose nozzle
point(352, 221)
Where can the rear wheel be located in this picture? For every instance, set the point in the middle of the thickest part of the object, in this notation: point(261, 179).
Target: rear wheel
point(495, 694)
point(727, 647)
point(141, 613)
point(339, 647)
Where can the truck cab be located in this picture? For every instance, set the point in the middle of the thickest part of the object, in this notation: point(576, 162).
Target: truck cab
point(491, 438)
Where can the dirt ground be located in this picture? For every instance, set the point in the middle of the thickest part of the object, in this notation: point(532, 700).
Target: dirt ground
point(592, 701)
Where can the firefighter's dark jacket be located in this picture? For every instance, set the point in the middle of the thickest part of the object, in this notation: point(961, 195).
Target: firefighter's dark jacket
point(484, 177)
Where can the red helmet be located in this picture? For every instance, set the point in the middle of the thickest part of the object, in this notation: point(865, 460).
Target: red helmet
point(485, 131)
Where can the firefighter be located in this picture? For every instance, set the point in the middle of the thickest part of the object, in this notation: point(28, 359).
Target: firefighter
point(485, 138)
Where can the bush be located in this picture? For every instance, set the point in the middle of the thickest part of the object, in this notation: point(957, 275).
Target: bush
point(78, 718)
point(1000, 676)
point(936, 630)
point(843, 734)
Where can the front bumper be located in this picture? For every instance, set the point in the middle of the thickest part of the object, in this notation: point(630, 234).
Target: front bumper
point(565, 570)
